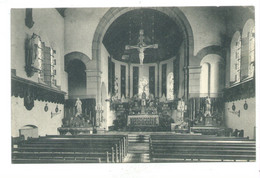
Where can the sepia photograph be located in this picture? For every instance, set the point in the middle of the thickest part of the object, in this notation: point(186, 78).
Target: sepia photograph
point(163, 85)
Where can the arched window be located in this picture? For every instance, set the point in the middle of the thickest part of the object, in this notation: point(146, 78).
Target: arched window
point(248, 46)
point(235, 58)
point(251, 67)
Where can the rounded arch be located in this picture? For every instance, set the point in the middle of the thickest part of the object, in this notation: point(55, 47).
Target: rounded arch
point(28, 131)
point(113, 13)
point(248, 49)
point(29, 127)
point(75, 55)
point(214, 49)
point(211, 59)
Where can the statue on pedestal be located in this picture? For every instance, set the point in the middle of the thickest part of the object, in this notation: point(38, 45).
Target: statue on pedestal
point(208, 107)
point(78, 106)
point(181, 107)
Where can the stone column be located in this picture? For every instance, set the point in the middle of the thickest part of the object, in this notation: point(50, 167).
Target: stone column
point(92, 82)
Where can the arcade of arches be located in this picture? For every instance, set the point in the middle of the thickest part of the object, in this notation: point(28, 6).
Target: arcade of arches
point(158, 69)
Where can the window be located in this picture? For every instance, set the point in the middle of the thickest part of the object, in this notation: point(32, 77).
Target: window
point(39, 51)
point(235, 58)
point(251, 66)
point(53, 70)
point(242, 58)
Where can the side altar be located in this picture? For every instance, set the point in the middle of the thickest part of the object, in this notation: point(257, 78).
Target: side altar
point(79, 117)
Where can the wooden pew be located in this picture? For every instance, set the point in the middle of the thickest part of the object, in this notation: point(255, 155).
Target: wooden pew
point(120, 147)
point(60, 152)
point(194, 137)
point(92, 149)
point(195, 148)
point(55, 160)
point(123, 137)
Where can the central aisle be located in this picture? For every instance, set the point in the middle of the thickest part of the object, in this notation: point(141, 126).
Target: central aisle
point(138, 149)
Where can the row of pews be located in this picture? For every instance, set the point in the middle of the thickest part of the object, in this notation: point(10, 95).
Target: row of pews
point(70, 149)
point(196, 148)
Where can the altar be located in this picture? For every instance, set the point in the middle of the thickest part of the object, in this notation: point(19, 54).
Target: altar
point(143, 120)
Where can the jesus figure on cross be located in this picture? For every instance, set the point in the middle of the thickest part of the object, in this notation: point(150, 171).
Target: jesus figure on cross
point(141, 46)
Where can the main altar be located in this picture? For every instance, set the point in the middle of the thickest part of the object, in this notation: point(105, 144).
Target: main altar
point(147, 113)
point(143, 120)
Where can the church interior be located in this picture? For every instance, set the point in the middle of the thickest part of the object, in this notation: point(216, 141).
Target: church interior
point(133, 84)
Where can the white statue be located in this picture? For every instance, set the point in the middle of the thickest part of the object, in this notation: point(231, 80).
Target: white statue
point(181, 107)
point(208, 107)
point(78, 105)
point(141, 46)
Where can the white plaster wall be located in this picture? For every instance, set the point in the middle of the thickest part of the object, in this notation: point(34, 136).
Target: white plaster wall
point(246, 121)
point(80, 26)
point(208, 26)
point(49, 24)
point(36, 116)
point(204, 80)
point(211, 67)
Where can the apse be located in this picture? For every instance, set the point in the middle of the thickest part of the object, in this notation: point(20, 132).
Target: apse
point(158, 28)
point(144, 47)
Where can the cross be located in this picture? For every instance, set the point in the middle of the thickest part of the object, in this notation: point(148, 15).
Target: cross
point(141, 46)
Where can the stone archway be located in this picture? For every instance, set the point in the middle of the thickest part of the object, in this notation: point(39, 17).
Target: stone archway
point(173, 12)
point(214, 49)
point(75, 55)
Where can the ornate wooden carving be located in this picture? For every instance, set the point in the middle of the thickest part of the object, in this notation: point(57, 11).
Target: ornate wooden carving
point(28, 98)
point(31, 91)
point(242, 91)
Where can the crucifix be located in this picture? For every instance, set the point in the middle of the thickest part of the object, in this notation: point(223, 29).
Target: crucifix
point(141, 46)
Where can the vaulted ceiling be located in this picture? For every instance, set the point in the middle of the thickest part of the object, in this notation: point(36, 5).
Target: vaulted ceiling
point(158, 29)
